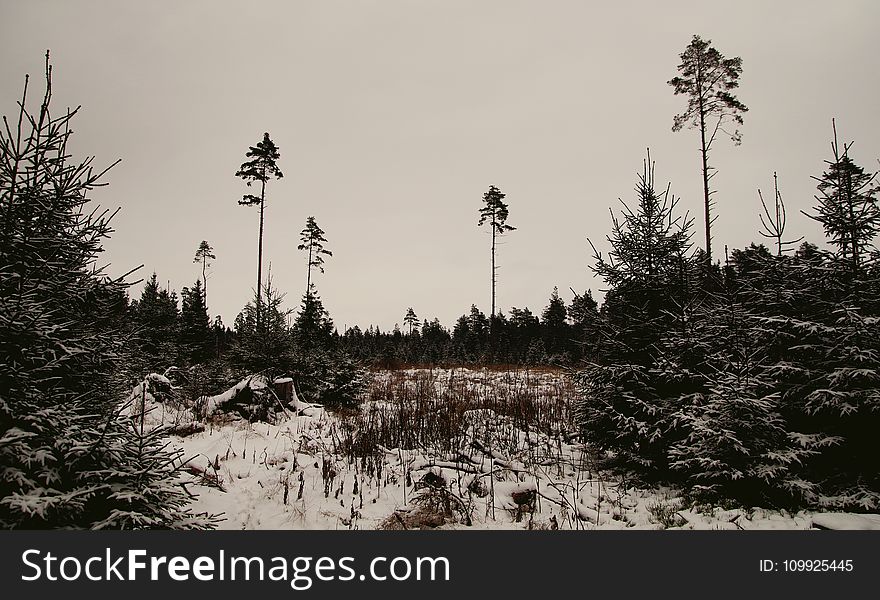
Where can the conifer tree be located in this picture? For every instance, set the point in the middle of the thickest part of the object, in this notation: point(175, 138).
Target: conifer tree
point(313, 326)
point(847, 208)
point(624, 408)
point(411, 320)
point(262, 167)
point(158, 326)
point(204, 256)
point(584, 315)
point(195, 325)
point(69, 458)
point(263, 345)
point(312, 240)
point(556, 330)
point(734, 442)
point(495, 213)
point(708, 79)
point(647, 268)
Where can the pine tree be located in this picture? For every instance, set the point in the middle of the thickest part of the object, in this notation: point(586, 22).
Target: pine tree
point(312, 239)
point(262, 167)
point(411, 320)
point(708, 79)
point(204, 256)
point(69, 459)
point(494, 212)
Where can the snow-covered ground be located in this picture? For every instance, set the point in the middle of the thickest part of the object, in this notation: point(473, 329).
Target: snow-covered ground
point(305, 472)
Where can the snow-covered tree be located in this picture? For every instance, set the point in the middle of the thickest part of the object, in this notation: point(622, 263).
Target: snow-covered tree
point(625, 406)
point(69, 458)
point(733, 441)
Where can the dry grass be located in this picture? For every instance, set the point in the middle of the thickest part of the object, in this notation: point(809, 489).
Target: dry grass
point(445, 413)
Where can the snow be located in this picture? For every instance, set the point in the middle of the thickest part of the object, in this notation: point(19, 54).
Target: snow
point(846, 521)
point(293, 474)
point(216, 403)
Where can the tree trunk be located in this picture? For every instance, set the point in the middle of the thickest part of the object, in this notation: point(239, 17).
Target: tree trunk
point(309, 272)
point(493, 266)
point(260, 249)
point(204, 281)
point(704, 151)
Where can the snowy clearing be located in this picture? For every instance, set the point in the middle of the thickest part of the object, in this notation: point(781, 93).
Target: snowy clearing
point(314, 469)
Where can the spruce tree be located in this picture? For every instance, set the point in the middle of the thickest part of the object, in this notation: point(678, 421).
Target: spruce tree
point(847, 208)
point(624, 407)
point(195, 325)
point(313, 327)
point(584, 314)
point(69, 458)
point(556, 330)
point(734, 443)
point(263, 345)
point(158, 327)
point(322, 372)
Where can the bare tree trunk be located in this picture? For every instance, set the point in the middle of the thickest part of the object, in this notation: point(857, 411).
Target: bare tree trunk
point(778, 215)
point(309, 272)
point(704, 151)
point(493, 266)
point(260, 250)
point(204, 281)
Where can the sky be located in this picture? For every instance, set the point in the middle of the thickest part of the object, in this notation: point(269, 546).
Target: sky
point(394, 117)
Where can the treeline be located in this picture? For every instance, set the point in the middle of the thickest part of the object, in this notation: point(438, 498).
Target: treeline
point(167, 330)
point(561, 335)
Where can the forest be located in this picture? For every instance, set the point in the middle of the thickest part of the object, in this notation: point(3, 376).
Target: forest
point(741, 379)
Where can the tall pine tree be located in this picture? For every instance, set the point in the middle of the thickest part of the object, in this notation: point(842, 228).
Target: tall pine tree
point(708, 79)
point(262, 166)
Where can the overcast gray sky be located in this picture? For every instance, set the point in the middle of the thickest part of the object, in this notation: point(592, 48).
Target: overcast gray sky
point(394, 117)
